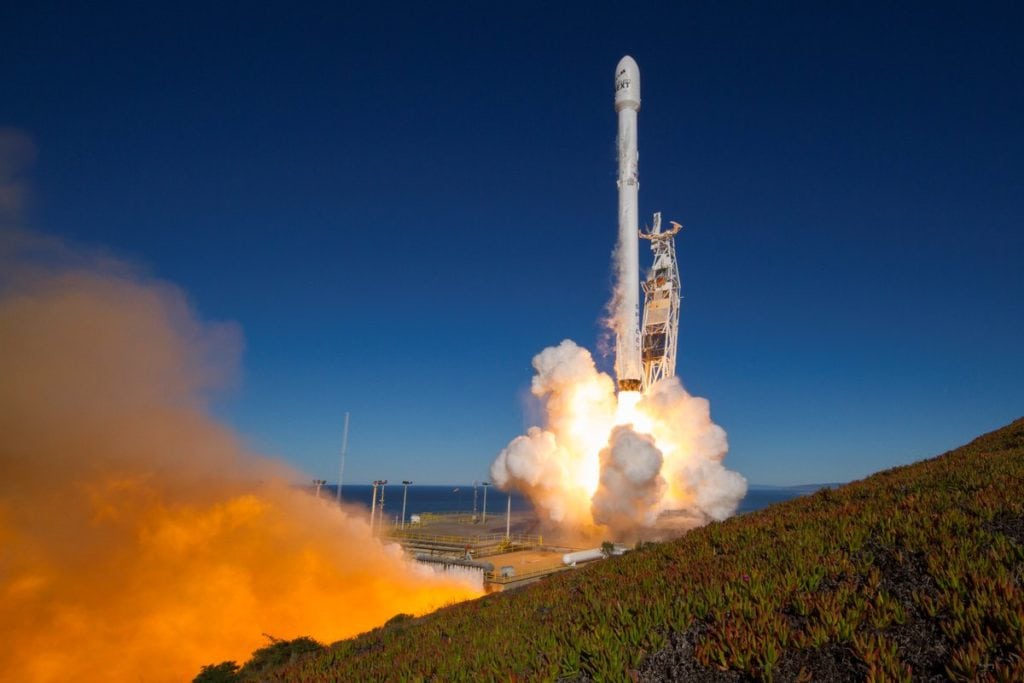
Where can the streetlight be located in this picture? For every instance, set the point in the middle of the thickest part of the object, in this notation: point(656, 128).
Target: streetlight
point(485, 485)
point(508, 516)
point(475, 483)
point(318, 483)
point(405, 492)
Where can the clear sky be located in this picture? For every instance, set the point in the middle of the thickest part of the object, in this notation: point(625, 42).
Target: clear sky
point(401, 203)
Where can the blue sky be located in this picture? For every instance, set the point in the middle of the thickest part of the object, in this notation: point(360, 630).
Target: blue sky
point(401, 205)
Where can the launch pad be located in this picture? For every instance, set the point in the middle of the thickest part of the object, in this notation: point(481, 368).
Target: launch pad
point(505, 562)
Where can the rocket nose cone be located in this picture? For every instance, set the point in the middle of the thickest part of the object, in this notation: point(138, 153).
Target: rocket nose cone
point(627, 84)
point(627, 62)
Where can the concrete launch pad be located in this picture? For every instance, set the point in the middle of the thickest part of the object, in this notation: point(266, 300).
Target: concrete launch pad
point(523, 567)
point(506, 561)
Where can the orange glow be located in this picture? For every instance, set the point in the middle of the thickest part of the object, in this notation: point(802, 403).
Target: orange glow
point(140, 540)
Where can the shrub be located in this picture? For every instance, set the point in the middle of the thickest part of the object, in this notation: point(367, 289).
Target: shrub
point(225, 672)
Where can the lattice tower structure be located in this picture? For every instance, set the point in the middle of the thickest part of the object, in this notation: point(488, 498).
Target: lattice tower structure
point(660, 327)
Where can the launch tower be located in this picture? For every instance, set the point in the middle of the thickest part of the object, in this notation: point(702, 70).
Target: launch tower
point(660, 327)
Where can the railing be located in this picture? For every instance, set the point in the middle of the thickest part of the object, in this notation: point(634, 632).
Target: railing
point(426, 518)
point(497, 577)
point(470, 541)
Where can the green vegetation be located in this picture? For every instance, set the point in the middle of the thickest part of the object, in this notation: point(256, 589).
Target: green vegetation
point(225, 672)
point(264, 662)
point(916, 572)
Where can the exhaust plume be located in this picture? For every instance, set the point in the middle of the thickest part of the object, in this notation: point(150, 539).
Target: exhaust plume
point(141, 540)
point(631, 482)
point(605, 463)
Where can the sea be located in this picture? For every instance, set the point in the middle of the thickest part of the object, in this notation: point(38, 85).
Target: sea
point(465, 498)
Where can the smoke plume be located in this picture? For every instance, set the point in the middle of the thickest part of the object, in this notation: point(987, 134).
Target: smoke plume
point(631, 482)
point(140, 539)
point(694, 448)
point(605, 463)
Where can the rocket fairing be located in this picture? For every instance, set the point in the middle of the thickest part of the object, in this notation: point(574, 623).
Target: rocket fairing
point(628, 366)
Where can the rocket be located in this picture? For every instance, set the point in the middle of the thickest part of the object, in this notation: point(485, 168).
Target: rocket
point(628, 366)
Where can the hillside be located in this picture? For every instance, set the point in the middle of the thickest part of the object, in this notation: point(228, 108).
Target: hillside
point(914, 572)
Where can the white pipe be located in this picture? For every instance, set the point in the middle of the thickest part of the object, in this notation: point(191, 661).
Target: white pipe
point(570, 559)
point(508, 516)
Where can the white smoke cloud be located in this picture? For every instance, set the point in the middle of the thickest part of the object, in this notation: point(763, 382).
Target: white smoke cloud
point(631, 483)
point(543, 462)
point(695, 447)
point(537, 463)
point(603, 463)
point(620, 313)
point(570, 385)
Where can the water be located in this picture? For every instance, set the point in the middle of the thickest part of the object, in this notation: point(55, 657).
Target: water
point(460, 498)
point(759, 497)
point(430, 499)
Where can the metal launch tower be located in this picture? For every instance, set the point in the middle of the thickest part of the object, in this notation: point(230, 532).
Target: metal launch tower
point(660, 327)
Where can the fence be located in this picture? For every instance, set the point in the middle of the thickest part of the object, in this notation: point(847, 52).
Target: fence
point(418, 536)
point(498, 577)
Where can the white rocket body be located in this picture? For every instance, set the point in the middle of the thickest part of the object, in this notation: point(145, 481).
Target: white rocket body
point(628, 366)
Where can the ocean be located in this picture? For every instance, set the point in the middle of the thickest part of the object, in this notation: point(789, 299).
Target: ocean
point(459, 498)
point(759, 497)
point(454, 498)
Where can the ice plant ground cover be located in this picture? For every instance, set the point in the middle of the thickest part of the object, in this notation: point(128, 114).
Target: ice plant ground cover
point(913, 573)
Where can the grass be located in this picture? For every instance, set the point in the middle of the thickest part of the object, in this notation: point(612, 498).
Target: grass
point(913, 573)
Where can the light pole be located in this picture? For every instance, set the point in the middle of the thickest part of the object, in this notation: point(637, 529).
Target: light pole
point(508, 517)
point(373, 505)
point(341, 468)
point(485, 485)
point(318, 483)
point(405, 493)
point(474, 500)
